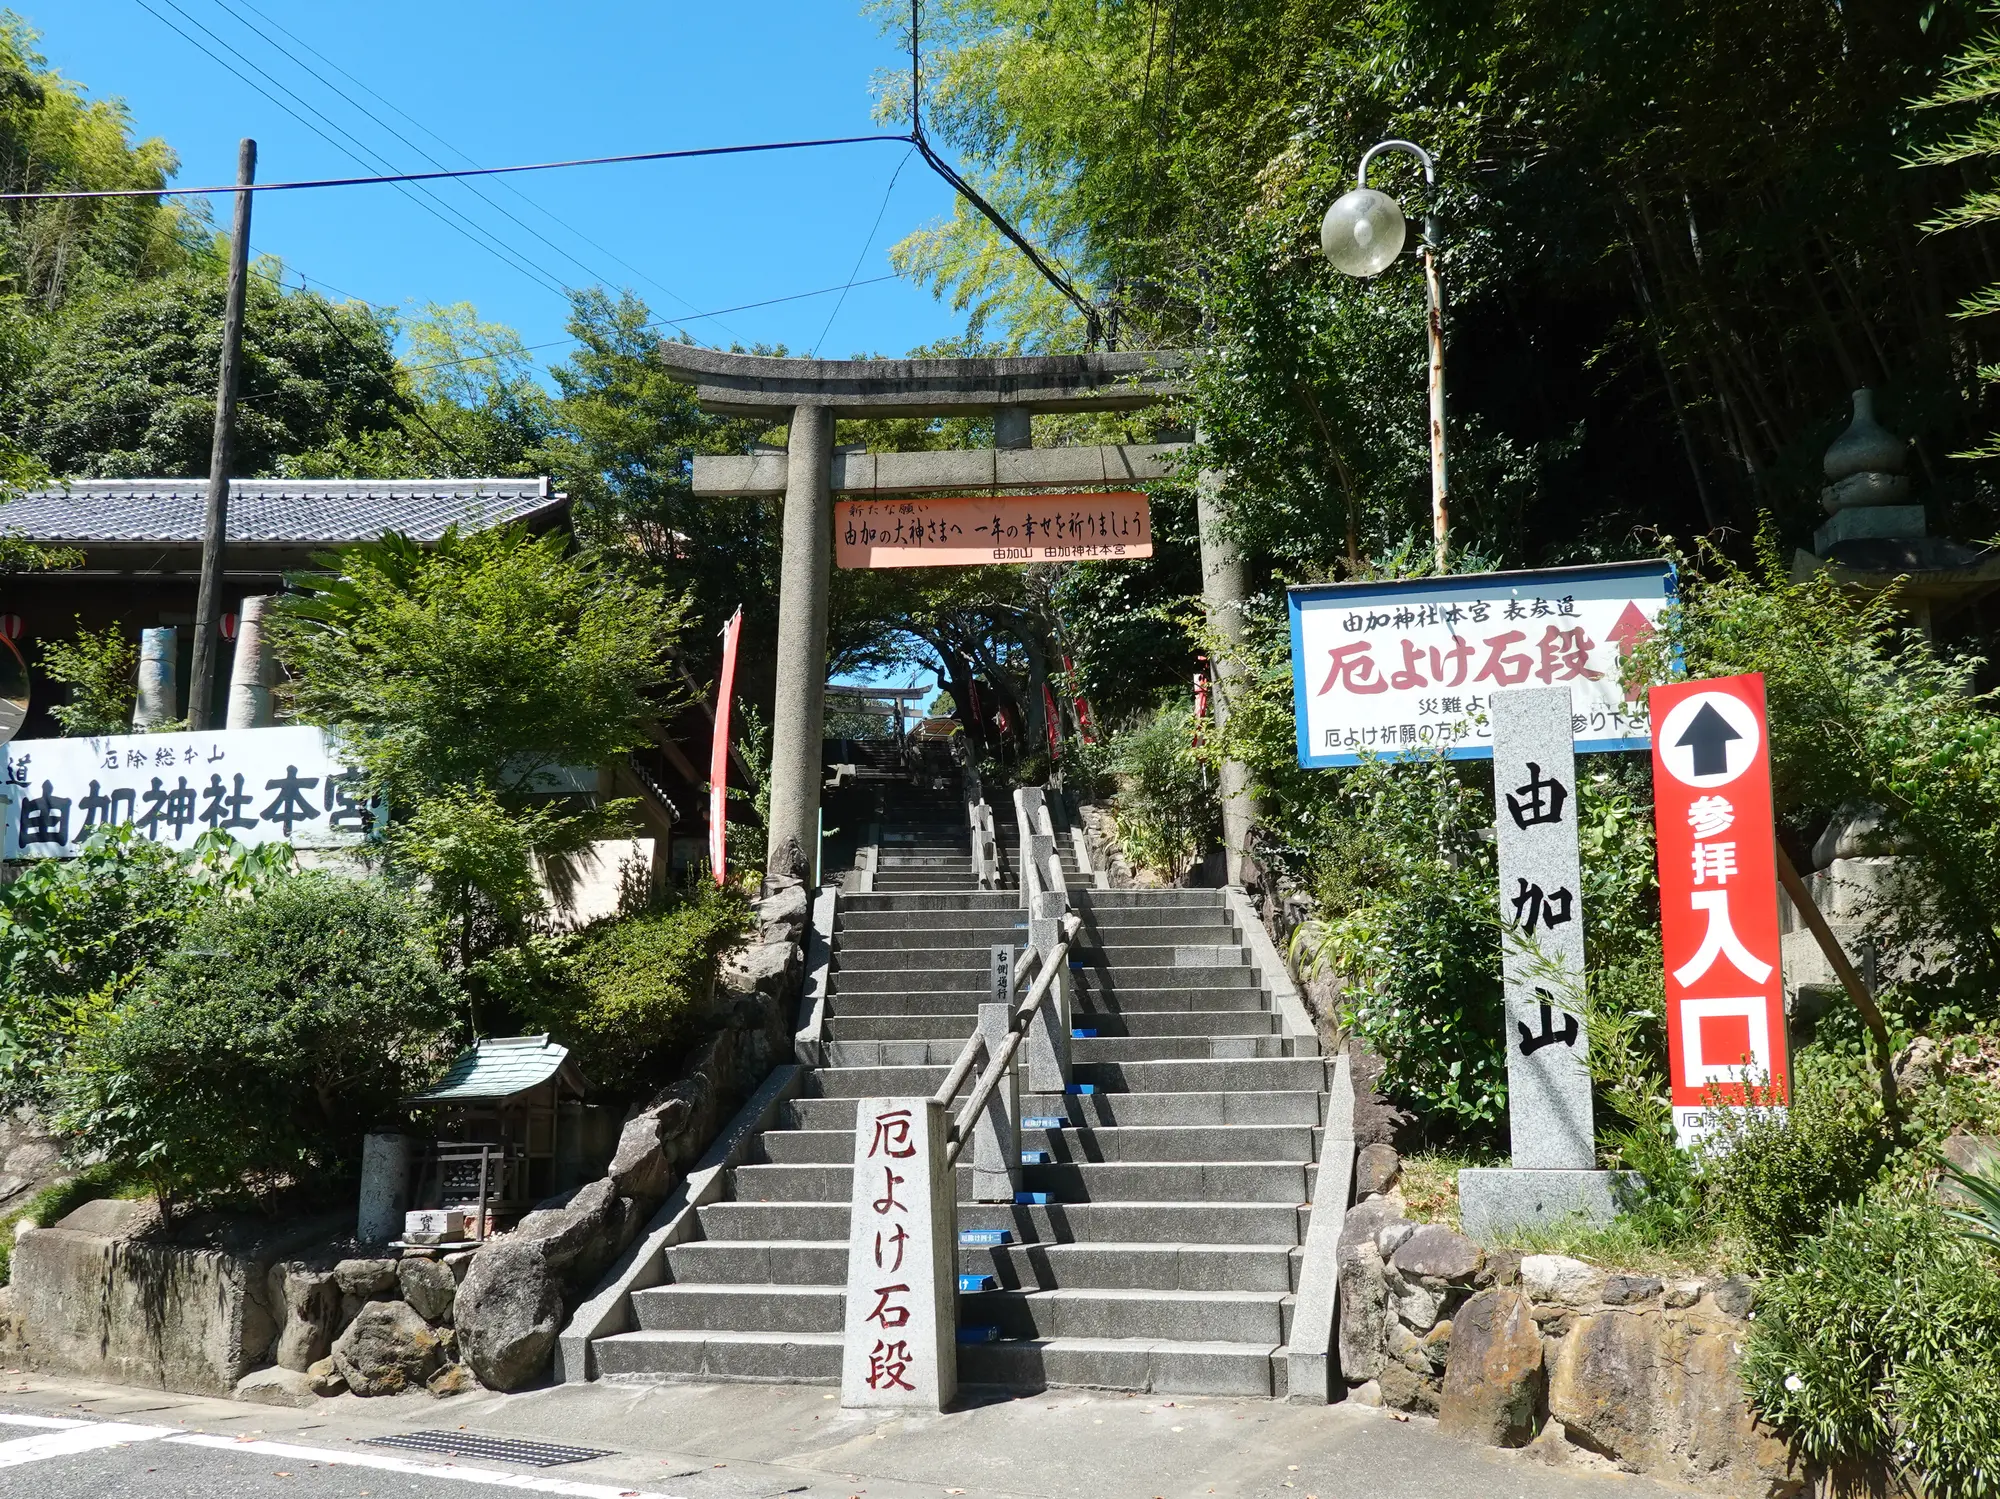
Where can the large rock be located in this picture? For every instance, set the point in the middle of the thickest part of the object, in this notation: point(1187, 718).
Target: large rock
point(366, 1278)
point(582, 1226)
point(277, 1386)
point(1493, 1378)
point(1557, 1277)
point(649, 1149)
point(429, 1287)
point(1434, 1252)
point(509, 1312)
point(387, 1349)
point(1363, 1313)
point(311, 1304)
point(781, 915)
point(1377, 1168)
point(1660, 1394)
point(768, 968)
point(1364, 1222)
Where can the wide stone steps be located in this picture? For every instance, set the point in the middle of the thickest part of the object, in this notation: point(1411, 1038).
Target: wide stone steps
point(1166, 1253)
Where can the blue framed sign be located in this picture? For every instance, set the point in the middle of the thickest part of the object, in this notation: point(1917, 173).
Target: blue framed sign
point(1402, 667)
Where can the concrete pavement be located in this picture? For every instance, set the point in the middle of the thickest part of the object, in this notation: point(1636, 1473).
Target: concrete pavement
point(743, 1441)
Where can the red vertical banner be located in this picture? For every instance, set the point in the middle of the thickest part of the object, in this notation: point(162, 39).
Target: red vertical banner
point(1054, 723)
point(1718, 899)
point(718, 754)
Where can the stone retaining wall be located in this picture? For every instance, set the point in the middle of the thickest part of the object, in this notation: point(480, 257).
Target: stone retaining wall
point(1577, 1363)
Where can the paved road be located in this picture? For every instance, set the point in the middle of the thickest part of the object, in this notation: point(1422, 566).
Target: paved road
point(69, 1441)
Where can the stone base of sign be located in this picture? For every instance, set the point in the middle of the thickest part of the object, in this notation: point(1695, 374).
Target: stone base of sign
point(901, 1336)
point(1496, 1200)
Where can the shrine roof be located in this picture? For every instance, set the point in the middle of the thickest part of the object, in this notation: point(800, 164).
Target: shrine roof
point(499, 1068)
point(271, 512)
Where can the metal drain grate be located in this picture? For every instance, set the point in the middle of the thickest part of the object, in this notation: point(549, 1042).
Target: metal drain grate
point(499, 1449)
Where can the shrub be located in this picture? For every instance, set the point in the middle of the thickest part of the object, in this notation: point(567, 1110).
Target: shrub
point(1879, 1344)
point(265, 1044)
point(1775, 1176)
point(1406, 919)
point(638, 985)
point(1167, 811)
point(77, 930)
point(101, 670)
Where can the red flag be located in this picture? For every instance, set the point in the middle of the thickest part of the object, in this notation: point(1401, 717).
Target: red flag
point(1049, 717)
point(1200, 705)
point(718, 755)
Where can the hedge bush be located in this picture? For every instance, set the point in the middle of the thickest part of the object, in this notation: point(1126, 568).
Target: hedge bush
point(637, 987)
point(265, 1044)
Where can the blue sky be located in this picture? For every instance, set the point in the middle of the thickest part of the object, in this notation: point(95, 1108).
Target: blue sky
point(503, 82)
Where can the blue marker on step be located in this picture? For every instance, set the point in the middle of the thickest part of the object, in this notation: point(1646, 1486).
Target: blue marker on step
point(1045, 1121)
point(1034, 1158)
point(1031, 1199)
point(985, 1237)
point(978, 1283)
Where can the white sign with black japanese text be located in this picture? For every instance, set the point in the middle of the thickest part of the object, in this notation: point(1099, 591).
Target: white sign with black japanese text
point(1411, 665)
point(258, 785)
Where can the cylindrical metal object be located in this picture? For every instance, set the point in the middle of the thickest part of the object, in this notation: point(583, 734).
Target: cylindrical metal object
point(1440, 478)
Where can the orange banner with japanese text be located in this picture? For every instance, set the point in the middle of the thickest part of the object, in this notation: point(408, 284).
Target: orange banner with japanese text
point(970, 530)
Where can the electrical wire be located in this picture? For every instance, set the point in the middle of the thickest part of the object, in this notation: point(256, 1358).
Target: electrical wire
point(422, 128)
point(866, 245)
point(355, 149)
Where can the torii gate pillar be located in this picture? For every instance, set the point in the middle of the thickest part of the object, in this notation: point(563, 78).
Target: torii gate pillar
point(798, 714)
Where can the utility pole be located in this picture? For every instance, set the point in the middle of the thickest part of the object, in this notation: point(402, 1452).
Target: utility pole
point(208, 604)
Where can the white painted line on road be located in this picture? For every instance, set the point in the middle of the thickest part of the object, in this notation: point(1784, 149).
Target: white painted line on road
point(54, 1423)
point(78, 1439)
point(493, 1477)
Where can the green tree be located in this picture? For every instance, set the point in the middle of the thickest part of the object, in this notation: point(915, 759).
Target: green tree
point(101, 670)
point(477, 662)
point(124, 384)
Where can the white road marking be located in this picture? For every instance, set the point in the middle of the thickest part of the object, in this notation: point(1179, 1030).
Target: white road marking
point(53, 1423)
point(492, 1477)
point(83, 1438)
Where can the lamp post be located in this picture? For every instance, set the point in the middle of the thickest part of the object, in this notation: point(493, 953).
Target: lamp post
point(1362, 234)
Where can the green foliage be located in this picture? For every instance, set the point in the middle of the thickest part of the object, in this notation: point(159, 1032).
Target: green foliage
point(1979, 1220)
point(636, 988)
point(124, 381)
point(1166, 805)
point(1404, 916)
point(1879, 1344)
point(1775, 1177)
point(101, 670)
point(76, 933)
point(477, 662)
point(1862, 710)
point(265, 1044)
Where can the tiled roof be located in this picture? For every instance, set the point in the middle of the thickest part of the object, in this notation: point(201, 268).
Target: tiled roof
point(496, 1068)
point(295, 512)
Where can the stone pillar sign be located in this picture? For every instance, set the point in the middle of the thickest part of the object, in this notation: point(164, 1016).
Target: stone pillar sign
point(1541, 926)
point(901, 1343)
point(1541, 923)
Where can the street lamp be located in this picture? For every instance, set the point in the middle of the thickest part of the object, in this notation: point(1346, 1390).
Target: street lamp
point(1362, 234)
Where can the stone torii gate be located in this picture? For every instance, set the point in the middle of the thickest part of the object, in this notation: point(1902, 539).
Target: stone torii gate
point(811, 394)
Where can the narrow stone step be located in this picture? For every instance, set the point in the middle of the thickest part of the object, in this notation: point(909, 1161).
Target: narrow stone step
point(1166, 1267)
point(1135, 979)
point(957, 1024)
point(768, 1357)
point(1306, 1074)
point(965, 999)
point(741, 1307)
point(1079, 1222)
point(1295, 1106)
point(1243, 1370)
point(1066, 1182)
point(1171, 1048)
point(1124, 1312)
point(795, 1262)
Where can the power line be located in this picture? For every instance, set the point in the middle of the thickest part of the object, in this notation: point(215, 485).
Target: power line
point(588, 269)
point(866, 245)
point(500, 252)
point(460, 151)
point(394, 177)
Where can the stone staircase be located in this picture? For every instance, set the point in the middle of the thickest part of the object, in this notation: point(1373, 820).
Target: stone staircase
point(1157, 1243)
